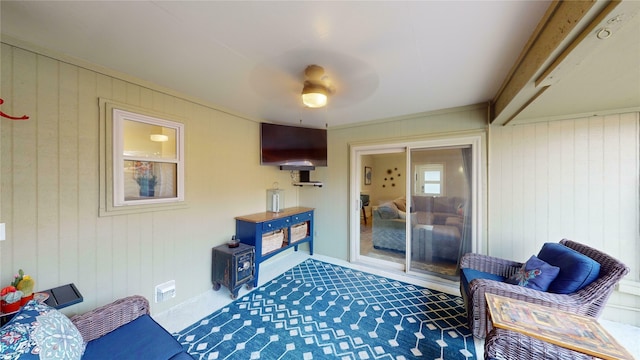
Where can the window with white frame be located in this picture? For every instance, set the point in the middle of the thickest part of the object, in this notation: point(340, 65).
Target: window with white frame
point(148, 159)
point(430, 180)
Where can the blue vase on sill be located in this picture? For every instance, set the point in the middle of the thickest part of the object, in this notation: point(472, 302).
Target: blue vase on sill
point(147, 189)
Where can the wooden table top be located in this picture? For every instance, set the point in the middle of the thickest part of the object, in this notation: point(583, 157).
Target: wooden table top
point(576, 332)
point(268, 215)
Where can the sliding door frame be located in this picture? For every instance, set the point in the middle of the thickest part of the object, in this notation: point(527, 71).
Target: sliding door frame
point(476, 140)
point(356, 174)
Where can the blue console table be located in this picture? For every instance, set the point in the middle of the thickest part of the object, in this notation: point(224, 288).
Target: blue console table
point(251, 229)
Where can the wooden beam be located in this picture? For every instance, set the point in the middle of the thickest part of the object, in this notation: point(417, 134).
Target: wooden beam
point(584, 44)
point(556, 29)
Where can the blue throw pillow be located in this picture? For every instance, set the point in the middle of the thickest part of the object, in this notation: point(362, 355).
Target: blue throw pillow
point(534, 274)
point(38, 331)
point(576, 270)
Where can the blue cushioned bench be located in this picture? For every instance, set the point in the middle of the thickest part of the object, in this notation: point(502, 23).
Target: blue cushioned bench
point(120, 330)
point(124, 330)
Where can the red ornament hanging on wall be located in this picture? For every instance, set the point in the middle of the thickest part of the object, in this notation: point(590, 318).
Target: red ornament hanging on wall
point(23, 117)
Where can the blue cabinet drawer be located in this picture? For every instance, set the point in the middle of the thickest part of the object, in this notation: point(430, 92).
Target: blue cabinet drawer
point(275, 224)
point(298, 218)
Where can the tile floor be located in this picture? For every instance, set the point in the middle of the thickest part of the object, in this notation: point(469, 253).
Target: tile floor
point(188, 312)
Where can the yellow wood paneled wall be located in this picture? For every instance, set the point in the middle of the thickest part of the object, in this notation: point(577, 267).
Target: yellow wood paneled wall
point(50, 186)
point(575, 179)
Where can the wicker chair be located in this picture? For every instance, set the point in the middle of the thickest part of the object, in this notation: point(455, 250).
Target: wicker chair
point(588, 301)
point(107, 318)
point(506, 345)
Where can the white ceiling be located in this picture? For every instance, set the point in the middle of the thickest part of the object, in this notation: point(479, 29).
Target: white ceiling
point(384, 58)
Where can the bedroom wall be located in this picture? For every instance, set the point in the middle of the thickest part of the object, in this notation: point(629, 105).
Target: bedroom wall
point(455, 181)
point(49, 179)
point(387, 187)
point(382, 190)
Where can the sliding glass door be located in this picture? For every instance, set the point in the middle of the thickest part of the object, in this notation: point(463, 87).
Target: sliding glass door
point(440, 209)
point(415, 205)
point(382, 227)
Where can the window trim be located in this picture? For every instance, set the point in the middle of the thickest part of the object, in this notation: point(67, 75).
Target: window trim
point(112, 200)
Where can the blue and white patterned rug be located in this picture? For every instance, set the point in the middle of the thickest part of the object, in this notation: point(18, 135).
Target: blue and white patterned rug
point(317, 310)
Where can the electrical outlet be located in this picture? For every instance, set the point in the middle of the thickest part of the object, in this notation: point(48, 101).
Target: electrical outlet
point(165, 291)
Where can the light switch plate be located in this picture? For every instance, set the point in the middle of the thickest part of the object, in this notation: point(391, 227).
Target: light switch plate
point(2, 232)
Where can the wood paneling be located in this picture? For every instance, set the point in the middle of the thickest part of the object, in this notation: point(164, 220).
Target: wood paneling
point(50, 186)
point(575, 179)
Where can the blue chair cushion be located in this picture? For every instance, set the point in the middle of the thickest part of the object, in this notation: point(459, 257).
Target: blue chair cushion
point(467, 275)
point(534, 274)
point(576, 270)
point(143, 338)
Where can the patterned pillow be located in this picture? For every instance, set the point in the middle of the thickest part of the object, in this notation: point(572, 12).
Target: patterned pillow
point(535, 274)
point(38, 331)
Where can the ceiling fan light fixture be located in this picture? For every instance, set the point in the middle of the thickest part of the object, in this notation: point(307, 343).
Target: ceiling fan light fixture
point(314, 96)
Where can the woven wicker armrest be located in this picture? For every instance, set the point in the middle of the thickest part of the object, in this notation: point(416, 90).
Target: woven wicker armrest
point(506, 344)
point(479, 287)
point(477, 309)
point(107, 318)
point(490, 264)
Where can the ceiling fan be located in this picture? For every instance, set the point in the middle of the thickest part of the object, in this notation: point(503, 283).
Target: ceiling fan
point(317, 87)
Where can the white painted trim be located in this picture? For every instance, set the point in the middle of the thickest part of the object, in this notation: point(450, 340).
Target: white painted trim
point(355, 172)
point(118, 118)
point(107, 142)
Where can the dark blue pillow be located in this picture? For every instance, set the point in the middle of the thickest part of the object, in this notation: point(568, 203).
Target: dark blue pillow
point(534, 274)
point(576, 270)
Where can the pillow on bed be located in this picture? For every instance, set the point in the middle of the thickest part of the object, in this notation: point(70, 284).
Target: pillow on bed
point(401, 203)
point(388, 211)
